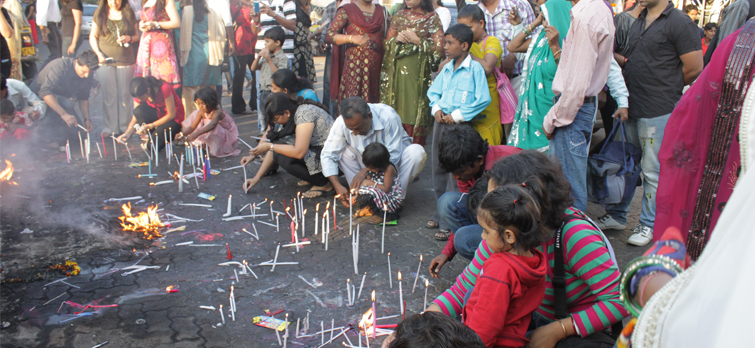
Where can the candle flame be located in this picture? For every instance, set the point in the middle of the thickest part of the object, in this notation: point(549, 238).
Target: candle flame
point(399, 275)
point(317, 207)
point(147, 223)
point(327, 206)
point(385, 207)
point(288, 209)
point(427, 283)
point(304, 212)
point(389, 254)
point(337, 196)
point(373, 295)
point(7, 173)
point(420, 257)
point(244, 262)
point(352, 191)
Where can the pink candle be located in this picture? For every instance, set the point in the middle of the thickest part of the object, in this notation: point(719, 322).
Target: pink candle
point(374, 316)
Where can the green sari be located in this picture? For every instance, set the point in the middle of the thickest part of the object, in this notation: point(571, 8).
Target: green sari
point(537, 95)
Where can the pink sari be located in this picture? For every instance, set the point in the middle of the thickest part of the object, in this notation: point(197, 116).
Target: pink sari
point(222, 141)
point(700, 159)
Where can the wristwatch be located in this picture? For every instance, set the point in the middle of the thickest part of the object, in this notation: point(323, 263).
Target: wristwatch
point(272, 146)
point(157, 24)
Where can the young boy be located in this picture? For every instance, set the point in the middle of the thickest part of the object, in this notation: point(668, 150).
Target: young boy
point(464, 154)
point(13, 123)
point(268, 61)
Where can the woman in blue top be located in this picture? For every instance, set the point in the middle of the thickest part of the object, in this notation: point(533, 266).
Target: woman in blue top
point(286, 81)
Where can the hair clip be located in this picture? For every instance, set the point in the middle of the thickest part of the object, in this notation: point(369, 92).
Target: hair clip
point(515, 201)
point(524, 184)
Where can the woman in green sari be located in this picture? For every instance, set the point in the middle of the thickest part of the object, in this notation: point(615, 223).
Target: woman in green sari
point(413, 50)
point(536, 96)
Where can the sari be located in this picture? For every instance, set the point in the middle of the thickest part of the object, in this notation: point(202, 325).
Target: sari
point(536, 97)
point(406, 73)
point(700, 156)
point(304, 64)
point(355, 70)
point(14, 43)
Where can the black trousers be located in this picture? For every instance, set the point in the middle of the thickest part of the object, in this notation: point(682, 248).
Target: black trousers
point(298, 168)
point(55, 42)
point(240, 65)
point(147, 114)
point(52, 128)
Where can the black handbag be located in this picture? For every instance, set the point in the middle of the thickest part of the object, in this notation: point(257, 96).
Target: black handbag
point(598, 339)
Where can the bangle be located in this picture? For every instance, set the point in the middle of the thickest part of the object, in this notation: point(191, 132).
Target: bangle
point(667, 265)
point(557, 52)
point(562, 327)
point(350, 38)
point(272, 146)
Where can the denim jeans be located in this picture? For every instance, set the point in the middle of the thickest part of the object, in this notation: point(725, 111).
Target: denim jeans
point(570, 146)
point(452, 207)
point(647, 133)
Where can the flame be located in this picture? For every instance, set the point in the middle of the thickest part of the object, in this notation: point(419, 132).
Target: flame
point(148, 223)
point(304, 212)
point(317, 207)
point(427, 283)
point(420, 257)
point(399, 275)
point(327, 207)
point(7, 173)
point(171, 289)
point(367, 319)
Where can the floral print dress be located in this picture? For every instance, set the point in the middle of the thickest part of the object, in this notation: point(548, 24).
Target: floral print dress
point(157, 52)
point(376, 199)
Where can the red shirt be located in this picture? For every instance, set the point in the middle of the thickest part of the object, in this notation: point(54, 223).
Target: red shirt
point(245, 38)
point(159, 103)
point(507, 291)
point(494, 154)
point(705, 47)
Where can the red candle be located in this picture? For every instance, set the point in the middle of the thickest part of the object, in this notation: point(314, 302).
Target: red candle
point(230, 257)
point(104, 148)
point(293, 232)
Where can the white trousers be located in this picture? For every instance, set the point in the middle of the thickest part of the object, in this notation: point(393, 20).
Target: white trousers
point(411, 163)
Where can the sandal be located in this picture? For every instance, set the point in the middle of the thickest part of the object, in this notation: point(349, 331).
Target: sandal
point(320, 193)
point(431, 224)
point(442, 235)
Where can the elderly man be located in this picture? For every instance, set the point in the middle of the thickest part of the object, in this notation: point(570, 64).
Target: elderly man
point(22, 97)
point(361, 124)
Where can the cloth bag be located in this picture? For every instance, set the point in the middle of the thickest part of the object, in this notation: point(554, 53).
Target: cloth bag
point(614, 169)
point(507, 98)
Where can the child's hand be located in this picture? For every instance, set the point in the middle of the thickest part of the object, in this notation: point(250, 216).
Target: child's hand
point(437, 263)
point(191, 137)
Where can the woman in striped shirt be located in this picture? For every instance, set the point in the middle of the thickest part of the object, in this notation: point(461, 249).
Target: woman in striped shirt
point(592, 278)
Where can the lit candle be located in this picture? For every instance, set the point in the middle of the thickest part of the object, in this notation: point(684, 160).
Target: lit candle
point(296, 210)
point(317, 215)
point(303, 222)
point(298, 199)
point(277, 220)
point(89, 147)
point(417, 276)
point(81, 145)
point(351, 212)
point(327, 233)
point(382, 241)
point(222, 316)
point(68, 152)
point(286, 324)
point(253, 208)
point(390, 275)
point(400, 295)
point(294, 236)
point(271, 204)
point(324, 215)
point(374, 316)
point(275, 260)
point(427, 285)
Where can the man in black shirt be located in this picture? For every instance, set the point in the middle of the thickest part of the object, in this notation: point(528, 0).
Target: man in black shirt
point(60, 84)
point(664, 53)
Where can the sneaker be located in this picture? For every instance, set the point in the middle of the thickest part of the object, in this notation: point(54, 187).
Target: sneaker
point(607, 222)
point(641, 236)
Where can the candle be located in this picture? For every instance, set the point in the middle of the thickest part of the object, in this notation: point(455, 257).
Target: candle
point(348, 291)
point(104, 148)
point(400, 295)
point(322, 333)
point(382, 241)
point(253, 208)
point(81, 145)
point(361, 286)
point(296, 210)
point(271, 215)
point(115, 152)
point(390, 275)
point(181, 175)
point(323, 226)
point(277, 220)
point(298, 201)
point(222, 316)
point(317, 215)
point(286, 324)
point(304, 222)
point(294, 236)
point(297, 327)
point(417, 276)
point(271, 206)
point(334, 213)
point(327, 233)
point(68, 152)
point(374, 316)
point(89, 147)
point(275, 260)
point(277, 334)
point(288, 213)
point(233, 313)
point(228, 210)
point(165, 137)
point(427, 285)
point(130, 159)
point(98, 148)
point(351, 212)
point(332, 327)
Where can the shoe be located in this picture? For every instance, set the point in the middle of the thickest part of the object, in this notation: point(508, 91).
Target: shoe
point(607, 222)
point(641, 236)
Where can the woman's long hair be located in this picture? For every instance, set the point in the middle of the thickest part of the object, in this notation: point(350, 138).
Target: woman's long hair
point(141, 85)
point(285, 78)
point(200, 10)
point(127, 14)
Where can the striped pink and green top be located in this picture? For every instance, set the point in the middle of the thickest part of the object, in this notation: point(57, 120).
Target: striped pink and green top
point(592, 279)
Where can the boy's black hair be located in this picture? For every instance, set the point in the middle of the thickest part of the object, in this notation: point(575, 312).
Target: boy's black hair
point(376, 155)
point(434, 330)
point(89, 59)
point(208, 96)
point(476, 194)
point(276, 34)
point(711, 26)
point(472, 11)
point(461, 33)
point(460, 146)
point(7, 107)
point(689, 8)
point(285, 78)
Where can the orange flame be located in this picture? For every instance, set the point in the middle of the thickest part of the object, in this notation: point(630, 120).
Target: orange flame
point(147, 223)
point(7, 173)
point(366, 323)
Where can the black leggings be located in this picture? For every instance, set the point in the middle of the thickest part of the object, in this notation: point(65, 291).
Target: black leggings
point(147, 114)
point(298, 168)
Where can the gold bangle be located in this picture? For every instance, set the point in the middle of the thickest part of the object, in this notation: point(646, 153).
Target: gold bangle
point(557, 52)
point(351, 37)
point(562, 327)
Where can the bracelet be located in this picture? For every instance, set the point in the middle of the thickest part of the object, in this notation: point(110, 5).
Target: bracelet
point(272, 146)
point(351, 38)
point(635, 266)
point(557, 52)
point(562, 327)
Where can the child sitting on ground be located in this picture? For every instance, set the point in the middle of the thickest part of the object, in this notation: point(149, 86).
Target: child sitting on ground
point(511, 284)
point(13, 123)
point(381, 191)
point(210, 125)
point(432, 330)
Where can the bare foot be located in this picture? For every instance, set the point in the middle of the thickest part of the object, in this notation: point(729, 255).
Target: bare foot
point(317, 191)
point(249, 183)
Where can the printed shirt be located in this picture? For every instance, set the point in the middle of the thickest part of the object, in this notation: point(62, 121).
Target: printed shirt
point(386, 129)
point(245, 38)
point(284, 8)
point(21, 96)
point(266, 74)
point(462, 93)
point(498, 25)
point(585, 61)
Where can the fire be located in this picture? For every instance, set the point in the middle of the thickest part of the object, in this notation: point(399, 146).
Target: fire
point(148, 223)
point(7, 173)
point(170, 289)
point(366, 323)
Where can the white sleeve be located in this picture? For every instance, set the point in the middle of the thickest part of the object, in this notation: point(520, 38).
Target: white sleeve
point(43, 11)
point(617, 85)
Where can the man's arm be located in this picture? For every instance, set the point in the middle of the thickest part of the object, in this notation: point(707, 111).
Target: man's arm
point(84, 106)
point(687, 43)
point(43, 8)
point(52, 102)
point(693, 66)
point(32, 99)
point(481, 95)
point(619, 91)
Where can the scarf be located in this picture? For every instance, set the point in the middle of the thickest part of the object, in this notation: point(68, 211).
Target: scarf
point(288, 129)
point(215, 32)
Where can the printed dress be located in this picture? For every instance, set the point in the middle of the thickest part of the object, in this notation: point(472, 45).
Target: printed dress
point(376, 199)
point(157, 52)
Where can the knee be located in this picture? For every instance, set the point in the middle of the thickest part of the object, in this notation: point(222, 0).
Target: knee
point(447, 202)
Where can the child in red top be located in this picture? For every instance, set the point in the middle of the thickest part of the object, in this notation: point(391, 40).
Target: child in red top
point(13, 123)
point(511, 284)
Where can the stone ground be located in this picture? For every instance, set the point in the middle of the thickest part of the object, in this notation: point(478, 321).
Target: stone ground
point(65, 207)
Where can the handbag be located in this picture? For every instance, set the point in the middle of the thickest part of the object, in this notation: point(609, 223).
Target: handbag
point(614, 170)
point(507, 99)
point(598, 339)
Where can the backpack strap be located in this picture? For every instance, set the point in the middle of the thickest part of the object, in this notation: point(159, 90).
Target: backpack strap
point(559, 274)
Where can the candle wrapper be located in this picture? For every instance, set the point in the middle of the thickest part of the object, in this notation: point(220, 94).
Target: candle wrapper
point(270, 322)
point(389, 223)
point(206, 196)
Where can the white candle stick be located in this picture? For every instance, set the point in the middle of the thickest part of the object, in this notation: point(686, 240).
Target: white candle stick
point(332, 327)
point(253, 208)
point(222, 316)
point(361, 286)
point(351, 212)
point(327, 233)
point(275, 260)
point(317, 216)
point(228, 210)
point(382, 239)
point(400, 295)
point(98, 148)
point(286, 325)
point(322, 334)
point(348, 291)
point(277, 220)
point(277, 334)
point(304, 223)
point(297, 327)
point(237, 275)
point(115, 149)
point(233, 312)
point(427, 285)
point(419, 267)
point(390, 275)
point(271, 210)
point(81, 145)
point(181, 174)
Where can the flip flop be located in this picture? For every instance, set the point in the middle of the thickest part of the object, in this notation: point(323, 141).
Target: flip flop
point(442, 235)
point(303, 183)
point(323, 193)
point(432, 224)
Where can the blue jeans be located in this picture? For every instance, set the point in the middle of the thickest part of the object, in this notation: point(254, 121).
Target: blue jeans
point(570, 146)
point(452, 207)
point(647, 133)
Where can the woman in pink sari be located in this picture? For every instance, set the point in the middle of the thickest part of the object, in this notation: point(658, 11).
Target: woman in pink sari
point(157, 53)
point(700, 155)
point(210, 125)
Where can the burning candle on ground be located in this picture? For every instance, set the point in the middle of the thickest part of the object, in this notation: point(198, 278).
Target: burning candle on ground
point(304, 222)
point(277, 220)
point(417, 276)
point(222, 316)
point(286, 335)
point(81, 145)
point(348, 292)
point(374, 316)
point(351, 212)
point(400, 295)
point(317, 215)
point(427, 285)
point(115, 150)
point(334, 212)
point(390, 275)
point(68, 152)
point(327, 232)
point(382, 239)
point(324, 215)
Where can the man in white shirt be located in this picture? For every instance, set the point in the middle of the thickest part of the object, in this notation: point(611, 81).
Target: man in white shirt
point(223, 7)
point(23, 98)
point(48, 19)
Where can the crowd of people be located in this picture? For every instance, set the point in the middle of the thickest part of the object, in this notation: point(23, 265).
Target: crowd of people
point(509, 96)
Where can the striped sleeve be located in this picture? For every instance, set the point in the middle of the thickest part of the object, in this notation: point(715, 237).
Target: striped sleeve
point(289, 9)
point(452, 300)
point(589, 260)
